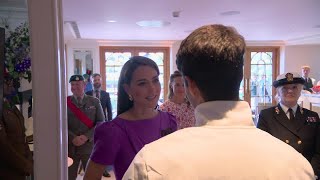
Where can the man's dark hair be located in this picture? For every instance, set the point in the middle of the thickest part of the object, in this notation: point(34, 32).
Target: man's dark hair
point(212, 56)
point(95, 75)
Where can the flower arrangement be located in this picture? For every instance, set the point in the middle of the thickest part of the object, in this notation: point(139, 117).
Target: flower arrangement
point(17, 54)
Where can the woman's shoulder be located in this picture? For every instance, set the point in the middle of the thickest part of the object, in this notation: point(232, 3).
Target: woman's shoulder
point(165, 105)
point(109, 127)
point(168, 117)
point(168, 106)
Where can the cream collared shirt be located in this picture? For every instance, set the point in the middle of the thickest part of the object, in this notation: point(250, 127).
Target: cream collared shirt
point(225, 145)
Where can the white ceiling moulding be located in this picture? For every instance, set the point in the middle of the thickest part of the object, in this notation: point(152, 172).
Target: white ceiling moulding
point(314, 39)
point(135, 43)
point(72, 26)
point(265, 43)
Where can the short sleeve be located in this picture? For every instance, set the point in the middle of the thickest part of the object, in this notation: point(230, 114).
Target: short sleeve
point(164, 106)
point(106, 143)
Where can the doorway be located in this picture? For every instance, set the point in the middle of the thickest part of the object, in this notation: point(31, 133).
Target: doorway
point(261, 67)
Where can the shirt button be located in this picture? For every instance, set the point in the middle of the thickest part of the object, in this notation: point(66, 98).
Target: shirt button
point(287, 141)
point(299, 142)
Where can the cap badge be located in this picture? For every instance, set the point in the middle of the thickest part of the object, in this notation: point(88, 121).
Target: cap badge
point(289, 77)
point(77, 78)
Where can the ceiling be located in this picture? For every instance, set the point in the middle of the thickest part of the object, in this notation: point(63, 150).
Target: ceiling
point(256, 20)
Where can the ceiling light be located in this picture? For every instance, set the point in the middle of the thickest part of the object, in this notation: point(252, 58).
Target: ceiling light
point(112, 21)
point(153, 23)
point(230, 13)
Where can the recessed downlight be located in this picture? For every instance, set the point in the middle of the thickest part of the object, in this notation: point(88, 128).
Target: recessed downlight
point(112, 21)
point(153, 23)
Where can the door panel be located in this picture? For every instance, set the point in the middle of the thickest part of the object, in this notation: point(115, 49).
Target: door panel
point(260, 70)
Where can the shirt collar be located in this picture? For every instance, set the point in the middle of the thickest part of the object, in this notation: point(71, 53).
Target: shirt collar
point(285, 108)
point(75, 97)
point(224, 113)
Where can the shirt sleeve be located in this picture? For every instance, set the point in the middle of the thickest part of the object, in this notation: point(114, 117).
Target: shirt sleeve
point(106, 143)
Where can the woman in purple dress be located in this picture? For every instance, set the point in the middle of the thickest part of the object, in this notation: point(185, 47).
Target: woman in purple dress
point(138, 122)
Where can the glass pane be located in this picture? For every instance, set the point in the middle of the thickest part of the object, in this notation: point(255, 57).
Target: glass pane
point(158, 58)
point(261, 79)
point(113, 63)
point(261, 57)
point(241, 91)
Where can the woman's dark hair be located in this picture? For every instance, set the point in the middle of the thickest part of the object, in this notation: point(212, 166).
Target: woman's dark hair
point(127, 71)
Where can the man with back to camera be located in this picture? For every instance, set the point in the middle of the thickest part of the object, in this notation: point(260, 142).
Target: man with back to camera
point(226, 144)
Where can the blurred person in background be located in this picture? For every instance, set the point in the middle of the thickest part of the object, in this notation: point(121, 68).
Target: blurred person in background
point(177, 103)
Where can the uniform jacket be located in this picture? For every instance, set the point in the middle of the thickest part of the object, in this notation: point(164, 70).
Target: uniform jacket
point(15, 157)
point(303, 133)
point(226, 145)
point(105, 103)
point(92, 108)
point(308, 85)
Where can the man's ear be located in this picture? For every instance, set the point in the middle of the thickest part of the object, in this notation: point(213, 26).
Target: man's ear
point(191, 86)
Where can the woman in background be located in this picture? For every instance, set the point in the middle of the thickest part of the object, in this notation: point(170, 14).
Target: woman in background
point(138, 122)
point(177, 103)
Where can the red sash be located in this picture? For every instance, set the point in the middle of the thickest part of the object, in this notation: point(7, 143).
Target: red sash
point(79, 114)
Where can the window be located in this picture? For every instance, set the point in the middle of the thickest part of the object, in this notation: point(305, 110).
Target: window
point(113, 58)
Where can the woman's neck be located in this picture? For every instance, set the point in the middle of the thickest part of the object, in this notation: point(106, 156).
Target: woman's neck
point(178, 100)
point(140, 113)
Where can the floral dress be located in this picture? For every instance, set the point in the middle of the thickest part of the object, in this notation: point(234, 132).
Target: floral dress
point(184, 113)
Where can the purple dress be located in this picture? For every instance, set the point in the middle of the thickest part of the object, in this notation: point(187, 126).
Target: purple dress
point(118, 141)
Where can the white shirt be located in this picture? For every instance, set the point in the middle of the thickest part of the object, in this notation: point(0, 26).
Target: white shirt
point(226, 146)
point(286, 109)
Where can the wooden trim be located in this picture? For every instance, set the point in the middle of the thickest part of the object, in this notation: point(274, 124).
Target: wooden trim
point(135, 50)
point(102, 67)
point(275, 61)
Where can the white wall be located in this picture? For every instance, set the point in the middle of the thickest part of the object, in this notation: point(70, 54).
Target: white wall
point(291, 57)
point(94, 46)
point(299, 55)
point(83, 45)
point(174, 51)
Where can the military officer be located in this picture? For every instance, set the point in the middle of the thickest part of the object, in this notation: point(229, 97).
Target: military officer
point(84, 112)
point(294, 125)
point(15, 158)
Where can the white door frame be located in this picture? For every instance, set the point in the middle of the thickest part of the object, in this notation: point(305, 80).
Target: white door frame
point(48, 89)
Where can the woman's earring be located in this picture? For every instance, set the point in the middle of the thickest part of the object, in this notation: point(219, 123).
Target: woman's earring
point(130, 97)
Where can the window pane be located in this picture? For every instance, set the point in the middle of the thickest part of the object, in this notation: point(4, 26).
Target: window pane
point(158, 58)
point(113, 63)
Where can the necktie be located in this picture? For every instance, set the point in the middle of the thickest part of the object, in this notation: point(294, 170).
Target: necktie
point(291, 115)
point(79, 100)
point(98, 94)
